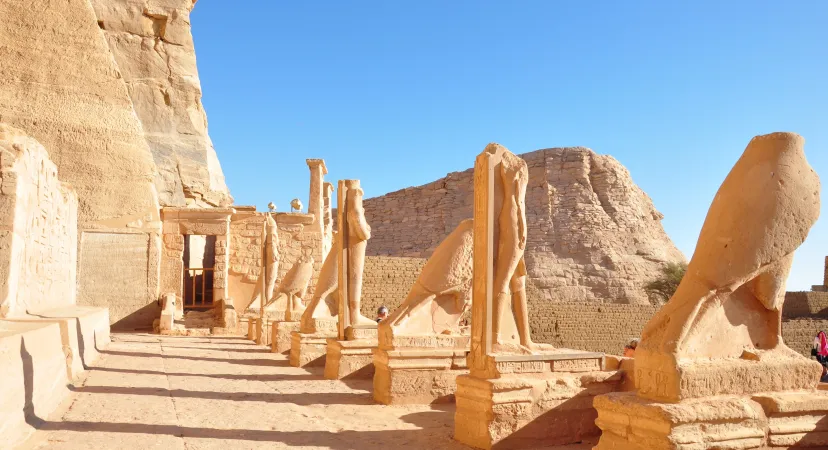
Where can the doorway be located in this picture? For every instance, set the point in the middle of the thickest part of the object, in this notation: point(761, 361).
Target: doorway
point(199, 266)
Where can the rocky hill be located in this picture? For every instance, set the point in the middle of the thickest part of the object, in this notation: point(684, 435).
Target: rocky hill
point(593, 234)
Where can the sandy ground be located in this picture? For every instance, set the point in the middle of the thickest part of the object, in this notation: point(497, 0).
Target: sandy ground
point(151, 391)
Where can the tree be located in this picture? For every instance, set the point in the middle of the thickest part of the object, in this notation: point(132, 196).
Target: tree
point(662, 288)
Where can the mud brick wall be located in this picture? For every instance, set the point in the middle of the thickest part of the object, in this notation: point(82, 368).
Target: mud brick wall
point(38, 229)
point(799, 333)
point(387, 280)
point(806, 304)
point(587, 326)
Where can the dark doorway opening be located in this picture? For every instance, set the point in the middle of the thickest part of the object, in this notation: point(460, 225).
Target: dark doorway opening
point(199, 265)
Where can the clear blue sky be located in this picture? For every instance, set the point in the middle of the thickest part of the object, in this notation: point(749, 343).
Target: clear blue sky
point(398, 93)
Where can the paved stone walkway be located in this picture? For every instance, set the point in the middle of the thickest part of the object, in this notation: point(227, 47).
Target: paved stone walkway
point(151, 391)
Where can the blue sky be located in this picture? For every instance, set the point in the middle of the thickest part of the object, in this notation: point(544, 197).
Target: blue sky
point(398, 94)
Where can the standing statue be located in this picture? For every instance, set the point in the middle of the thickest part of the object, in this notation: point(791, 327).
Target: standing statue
point(291, 292)
point(724, 321)
point(509, 286)
point(325, 301)
point(271, 257)
point(355, 234)
point(442, 292)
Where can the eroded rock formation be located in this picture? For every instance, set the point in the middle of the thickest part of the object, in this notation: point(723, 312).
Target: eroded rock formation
point(153, 48)
point(593, 234)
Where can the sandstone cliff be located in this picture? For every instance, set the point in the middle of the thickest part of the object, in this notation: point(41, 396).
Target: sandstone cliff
point(153, 47)
point(60, 84)
point(593, 234)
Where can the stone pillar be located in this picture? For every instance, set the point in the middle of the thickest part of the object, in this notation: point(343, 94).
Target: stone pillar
point(315, 200)
point(825, 278)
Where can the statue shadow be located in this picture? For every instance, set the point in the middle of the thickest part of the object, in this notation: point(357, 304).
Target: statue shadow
point(300, 398)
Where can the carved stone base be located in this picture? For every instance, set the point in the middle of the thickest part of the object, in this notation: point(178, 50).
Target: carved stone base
point(263, 331)
point(280, 340)
point(775, 420)
point(521, 410)
point(350, 359)
point(419, 370)
point(251, 328)
point(309, 349)
point(796, 419)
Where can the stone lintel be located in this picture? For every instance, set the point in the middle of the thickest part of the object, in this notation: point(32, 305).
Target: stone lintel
point(286, 218)
point(180, 213)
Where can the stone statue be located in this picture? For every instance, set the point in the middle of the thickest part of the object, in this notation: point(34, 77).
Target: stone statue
point(728, 307)
point(355, 234)
point(442, 292)
point(296, 204)
point(291, 292)
point(271, 257)
point(325, 301)
point(509, 285)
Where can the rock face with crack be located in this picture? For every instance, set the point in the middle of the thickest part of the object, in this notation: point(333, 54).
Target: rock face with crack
point(593, 235)
point(153, 48)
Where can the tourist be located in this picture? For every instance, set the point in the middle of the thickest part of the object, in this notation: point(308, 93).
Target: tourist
point(629, 349)
point(382, 313)
point(820, 348)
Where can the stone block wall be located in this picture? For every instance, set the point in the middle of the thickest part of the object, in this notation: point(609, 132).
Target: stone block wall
point(593, 234)
point(387, 280)
point(38, 229)
point(588, 326)
point(246, 240)
point(806, 304)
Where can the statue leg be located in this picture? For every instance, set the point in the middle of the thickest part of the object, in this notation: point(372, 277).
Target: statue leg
point(521, 310)
point(355, 285)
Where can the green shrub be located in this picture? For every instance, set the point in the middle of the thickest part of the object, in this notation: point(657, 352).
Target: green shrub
point(662, 288)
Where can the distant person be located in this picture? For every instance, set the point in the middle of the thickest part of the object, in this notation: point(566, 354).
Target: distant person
point(629, 349)
point(820, 348)
point(382, 313)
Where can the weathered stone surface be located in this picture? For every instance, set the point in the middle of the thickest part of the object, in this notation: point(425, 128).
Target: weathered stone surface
point(593, 234)
point(63, 87)
point(153, 48)
point(38, 229)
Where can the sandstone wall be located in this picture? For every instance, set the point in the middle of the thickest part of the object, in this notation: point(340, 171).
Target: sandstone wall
point(593, 234)
point(38, 229)
point(153, 47)
point(387, 280)
point(295, 239)
point(60, 83)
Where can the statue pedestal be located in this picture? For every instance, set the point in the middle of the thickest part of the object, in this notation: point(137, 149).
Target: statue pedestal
point(309, 349)
point(774, 420)
point(419, 370)
point(532, 400)
point(280, 340)
point(353, 357)
point(718, 406)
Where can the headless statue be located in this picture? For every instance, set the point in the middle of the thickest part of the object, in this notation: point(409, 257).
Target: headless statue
point(509, 285)
point(357, 240)
point(442, 292)
point(325, 301)
point(291, 292)
point(729, 304)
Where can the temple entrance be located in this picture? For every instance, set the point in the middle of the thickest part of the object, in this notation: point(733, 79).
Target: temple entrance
point(199, 265)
